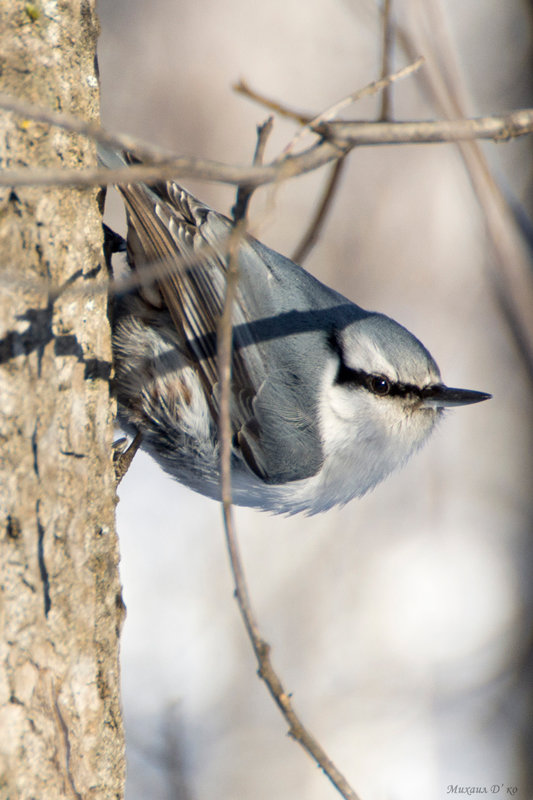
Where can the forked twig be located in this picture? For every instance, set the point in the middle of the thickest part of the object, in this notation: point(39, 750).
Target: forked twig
point(310, 120)
point(244, 192)
point(367, 91)
point(261, 648)
point(337, 139)
point(281, 110)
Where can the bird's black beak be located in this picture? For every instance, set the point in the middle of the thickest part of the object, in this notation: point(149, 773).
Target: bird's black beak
point(440, 396)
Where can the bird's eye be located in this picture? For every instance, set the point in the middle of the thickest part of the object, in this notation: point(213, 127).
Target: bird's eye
point(379, 384)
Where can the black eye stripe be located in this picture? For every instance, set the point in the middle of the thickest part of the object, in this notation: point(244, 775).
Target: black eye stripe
point(370, 381)
point(373, 381)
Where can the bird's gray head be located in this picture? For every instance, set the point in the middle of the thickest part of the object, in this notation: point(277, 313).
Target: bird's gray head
point(381, 397)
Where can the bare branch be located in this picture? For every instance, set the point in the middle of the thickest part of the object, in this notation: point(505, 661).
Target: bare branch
point(224, 348)
point(244, 192)
point(224, 353)
point(311, 159)
point(366, 91)
point(260, 646)
point(340, 136)
point(510, 275)
point(317, 223)
point(282, 111)
point(311, 236)
point(224, 342)
point(338, 139)
point(386, 59)
point(309, 120)
point(74, 124)
point(267, 673)
point(498, 128)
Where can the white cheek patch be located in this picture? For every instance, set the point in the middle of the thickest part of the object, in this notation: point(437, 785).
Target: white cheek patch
point(338, 404)
point(365, 437)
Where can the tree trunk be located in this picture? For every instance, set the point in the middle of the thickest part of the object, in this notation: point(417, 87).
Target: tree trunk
point(60, 614)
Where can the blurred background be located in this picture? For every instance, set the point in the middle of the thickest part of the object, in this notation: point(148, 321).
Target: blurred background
point(402, 622)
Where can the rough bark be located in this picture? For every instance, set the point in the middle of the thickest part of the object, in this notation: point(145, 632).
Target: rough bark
point(60, 613)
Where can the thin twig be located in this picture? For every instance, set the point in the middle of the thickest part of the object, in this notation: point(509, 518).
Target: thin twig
point(510, 275)
point(310, 119)
point(260, 646)
point(177, 168)
point(224, 349)
point(224, 354)
point(267, 673)
point(74, 124)
point(317, 223)
point(386, 60)
point(340, 137)
point(224, 339)
point(498, 128)
point(244, 192)
point(367, 91)
point(281, 110)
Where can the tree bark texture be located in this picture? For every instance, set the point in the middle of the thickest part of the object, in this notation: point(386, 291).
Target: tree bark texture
point(60, 603)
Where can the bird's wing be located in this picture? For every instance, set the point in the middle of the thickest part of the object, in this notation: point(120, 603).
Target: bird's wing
point(186, 245)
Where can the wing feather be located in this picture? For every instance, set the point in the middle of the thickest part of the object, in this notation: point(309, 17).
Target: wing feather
point(190, 274)
point(183, 244)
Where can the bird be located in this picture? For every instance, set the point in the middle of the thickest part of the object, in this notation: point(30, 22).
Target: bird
point(327, 399)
